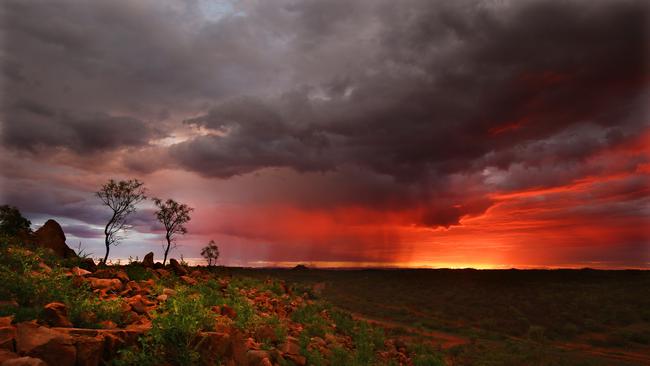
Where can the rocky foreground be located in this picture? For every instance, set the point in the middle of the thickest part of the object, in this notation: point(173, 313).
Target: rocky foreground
point(57, 313)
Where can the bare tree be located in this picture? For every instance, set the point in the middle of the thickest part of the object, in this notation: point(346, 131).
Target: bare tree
point(121, 197)
point(210, 252)
point(173, 216)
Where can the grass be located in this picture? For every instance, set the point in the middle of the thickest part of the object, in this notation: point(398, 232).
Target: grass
point(32, 285)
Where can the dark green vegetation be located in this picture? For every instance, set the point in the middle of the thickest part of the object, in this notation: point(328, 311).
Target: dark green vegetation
point(32, 277)
point(506, 316)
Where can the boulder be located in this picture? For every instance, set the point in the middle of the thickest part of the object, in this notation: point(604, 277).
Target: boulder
point(88, 264)
point(86, 341)
point(228, 311)
point(5, 321)
point(105, 284)
point(147, 261)
point(140, 304)
point(24, 361)
point(89, 350)
point(7, 338)
point(51, 236)
point(188, 280)
point(256, 357)
point(56, 315)
point(177, 268)
point(214, 346)
point(80, 272)
point(53, 347)
point(7, 355)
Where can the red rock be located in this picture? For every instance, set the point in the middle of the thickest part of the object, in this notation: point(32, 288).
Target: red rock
point(89, 350)
point(24, 361)
point(290, 346)
point(105, 284)
point(44, 267)
point(177, 267)
point(108, 324)
point(228, 311)
point(147, 261)
point(169, 292)
point(122, 276)
point(257, 357)
point(296, 359)
point(88, 264)
point(51, 346)
point(162, 272)
point(56, 315)
point(5, 321)
point(80, 272)
point(189, 280)
point(51, 236)
point(140, 304)
point(6, 354)
point(7, 338)
point(214, 346)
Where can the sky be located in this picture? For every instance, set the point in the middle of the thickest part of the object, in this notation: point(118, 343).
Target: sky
point(337, 133)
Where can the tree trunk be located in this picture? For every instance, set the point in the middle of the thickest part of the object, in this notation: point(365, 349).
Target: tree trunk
point(167, 249)
point(106, 241)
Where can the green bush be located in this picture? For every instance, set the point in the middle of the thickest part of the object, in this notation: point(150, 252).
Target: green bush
point(27, 283)
point(425, 355)
point(173, 337)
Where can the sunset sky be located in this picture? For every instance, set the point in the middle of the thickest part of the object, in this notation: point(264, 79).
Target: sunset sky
point(414, 133)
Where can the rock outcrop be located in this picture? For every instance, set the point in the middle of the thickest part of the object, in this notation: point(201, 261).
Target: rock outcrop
point(147, 261)
point(51, 236)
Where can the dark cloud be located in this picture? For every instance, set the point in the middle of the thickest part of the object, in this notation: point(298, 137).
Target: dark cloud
point(402, 102)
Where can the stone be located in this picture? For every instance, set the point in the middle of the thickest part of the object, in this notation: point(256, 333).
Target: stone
point(147, 261)
point(80, 272)
point(90, 350)
point(51, 236)
point(169, 292)
point(228, 311)
point(296, 359)
point(177, 268)
point(24, 361)
point(53, 347)
point(122, 276)
point(113, 340)
point(88, 264)
point(214, 346)
point(6, 321)
point(8, 338)
point(158, 265)
point(290, 346)
point(140, 304)
point(162, 272)
point(256, 357)
point(56, 315)
point(105, 284)
point(108, 324)
point(6, 354)
point(188, 280)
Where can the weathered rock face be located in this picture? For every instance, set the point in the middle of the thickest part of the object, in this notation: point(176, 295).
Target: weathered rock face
point(147, 262)
point(51, 236)
point(51, 346)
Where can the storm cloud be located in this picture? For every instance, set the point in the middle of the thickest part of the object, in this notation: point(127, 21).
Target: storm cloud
point(430, 110)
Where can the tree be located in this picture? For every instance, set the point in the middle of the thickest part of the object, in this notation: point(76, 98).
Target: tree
point(173, 216)
point(121, 197)
point(12, 221)
point(210, 252)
